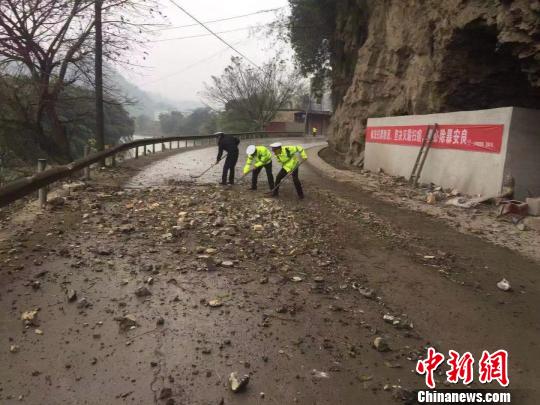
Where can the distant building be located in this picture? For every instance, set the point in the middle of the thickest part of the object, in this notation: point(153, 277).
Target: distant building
point(294, 120)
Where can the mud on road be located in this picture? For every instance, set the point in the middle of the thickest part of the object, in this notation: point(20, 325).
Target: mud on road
point(157, 295)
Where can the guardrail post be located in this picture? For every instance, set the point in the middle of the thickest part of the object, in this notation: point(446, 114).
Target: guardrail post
point(42, 192)
point(136, 152)
point(86, 173)
point(153, 148)
point(170, 144)
point(113, 161)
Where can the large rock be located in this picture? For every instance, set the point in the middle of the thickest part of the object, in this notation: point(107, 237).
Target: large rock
point(402, 58)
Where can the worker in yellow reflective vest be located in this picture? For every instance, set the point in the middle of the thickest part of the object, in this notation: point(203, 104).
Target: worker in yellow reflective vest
point(288, 157)
point(260, 157)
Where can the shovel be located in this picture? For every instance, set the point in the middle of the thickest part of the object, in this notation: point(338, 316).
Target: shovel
point(269, 193)
point(207, 170)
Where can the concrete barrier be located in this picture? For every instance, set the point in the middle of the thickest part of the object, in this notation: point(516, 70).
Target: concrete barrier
point(481, 148)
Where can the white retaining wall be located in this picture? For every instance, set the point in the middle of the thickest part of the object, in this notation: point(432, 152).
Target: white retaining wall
point(471, 172)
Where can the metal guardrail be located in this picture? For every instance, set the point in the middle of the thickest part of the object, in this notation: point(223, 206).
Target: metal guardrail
point(28, 185)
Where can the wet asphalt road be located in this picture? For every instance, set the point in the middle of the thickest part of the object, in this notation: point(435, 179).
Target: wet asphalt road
point(308, 341)
point(179, 167)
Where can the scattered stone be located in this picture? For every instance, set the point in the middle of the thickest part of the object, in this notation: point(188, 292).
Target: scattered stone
point(258, 228)
point(366, 292)
point(30, 317)
point(165, 393)
point(380, 344)
point(215, 303)
point(38, 332)
point(74, 187)
point(319, 374)
point(167, 236)
point(142, 292)
point(177, 231)
point(263, 280)
point(389, 318)
point(83, 303)
point(14, 349)
point(56, 201)
point(318, 279)
point(504, 285)
point(104, 251)
point(297, 279)
point(36, 285)
point(160, 321)
point(128, 228)
point(227, 263)
point(238, 384)
point(219, 222)
point(128, 322)
point(71, 295)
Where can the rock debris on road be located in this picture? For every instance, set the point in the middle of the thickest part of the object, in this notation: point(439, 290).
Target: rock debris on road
point(198, 294)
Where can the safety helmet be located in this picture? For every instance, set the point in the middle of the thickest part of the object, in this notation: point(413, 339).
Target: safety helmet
point(276, 145)
point(250, 150)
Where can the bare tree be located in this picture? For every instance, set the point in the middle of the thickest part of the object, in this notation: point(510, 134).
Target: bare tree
point(51, 43)
point(254, 94)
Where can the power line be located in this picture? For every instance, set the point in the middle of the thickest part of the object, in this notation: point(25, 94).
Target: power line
point(202, 35)
point(214, 34)
point(221, 19)
point(194, 63)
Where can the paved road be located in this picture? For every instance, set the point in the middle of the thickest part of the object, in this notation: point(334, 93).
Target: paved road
point(291, 314)
point(181, 166)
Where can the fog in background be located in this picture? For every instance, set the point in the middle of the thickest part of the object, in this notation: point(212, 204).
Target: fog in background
point(177, 68)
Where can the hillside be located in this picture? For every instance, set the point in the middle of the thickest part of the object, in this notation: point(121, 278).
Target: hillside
point(411, 57)
point(146, 103)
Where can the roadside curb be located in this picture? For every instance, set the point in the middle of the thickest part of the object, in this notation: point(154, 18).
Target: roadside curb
point(326, 169)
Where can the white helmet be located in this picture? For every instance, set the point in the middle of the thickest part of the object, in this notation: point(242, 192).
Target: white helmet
point(276, 145)
point(250, 150)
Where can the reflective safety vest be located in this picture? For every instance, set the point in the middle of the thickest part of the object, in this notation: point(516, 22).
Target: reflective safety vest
point(288, 158)
point(262, 157)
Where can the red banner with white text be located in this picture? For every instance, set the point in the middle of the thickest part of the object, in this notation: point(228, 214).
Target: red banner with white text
point(478, 138)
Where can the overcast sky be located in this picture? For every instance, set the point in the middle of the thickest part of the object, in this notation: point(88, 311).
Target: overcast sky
point(177, 68)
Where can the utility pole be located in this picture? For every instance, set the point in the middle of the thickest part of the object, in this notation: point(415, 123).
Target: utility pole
point(100, 125)
point(306, 119)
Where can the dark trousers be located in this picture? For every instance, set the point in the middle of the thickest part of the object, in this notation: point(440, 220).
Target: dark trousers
point(228, 168)
point(269, 175)
point(282, 173)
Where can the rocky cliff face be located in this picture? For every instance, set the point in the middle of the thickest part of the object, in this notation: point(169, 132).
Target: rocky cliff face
point(396, 57)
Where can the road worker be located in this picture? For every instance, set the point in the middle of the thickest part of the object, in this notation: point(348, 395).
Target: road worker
point(314, 131)
point(260, 157)
point(229, 144)
point(288, 157)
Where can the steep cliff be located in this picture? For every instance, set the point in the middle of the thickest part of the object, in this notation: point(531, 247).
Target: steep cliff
point(394, 57)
